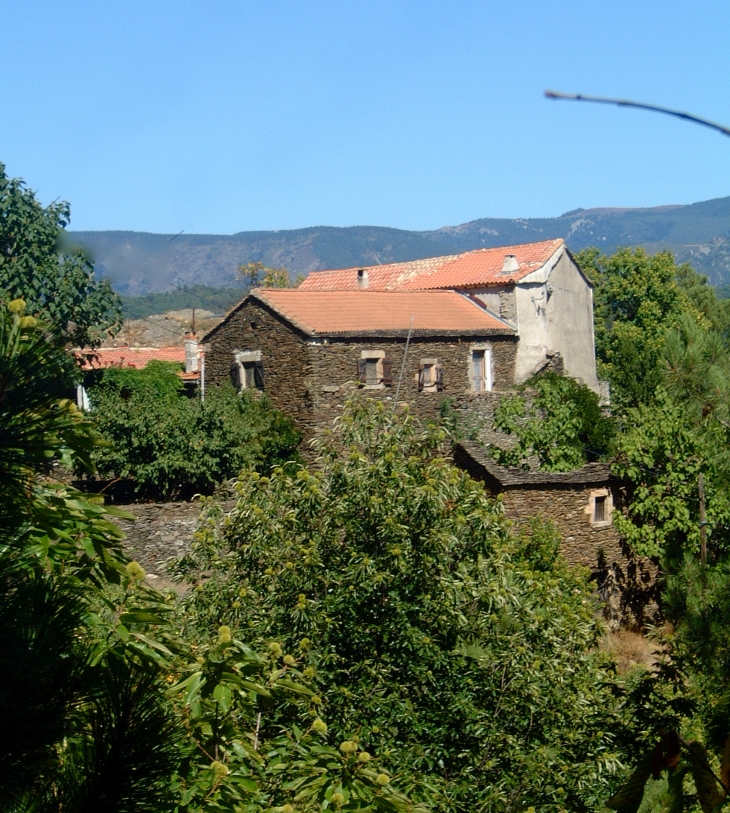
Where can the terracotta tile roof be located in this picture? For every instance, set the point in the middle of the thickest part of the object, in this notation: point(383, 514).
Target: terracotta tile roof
point(472, 269)
point(138, 357)
point(381, 313)
point(380, 277)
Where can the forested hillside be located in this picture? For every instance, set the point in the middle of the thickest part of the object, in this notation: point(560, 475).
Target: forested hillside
point(139, 263)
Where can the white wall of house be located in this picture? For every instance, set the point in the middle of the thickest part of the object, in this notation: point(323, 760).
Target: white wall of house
point(555, 314)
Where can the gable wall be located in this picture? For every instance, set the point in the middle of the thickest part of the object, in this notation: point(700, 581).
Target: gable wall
point(570, 321)
point(283, 352)
point(500, 299)
point(555, 315)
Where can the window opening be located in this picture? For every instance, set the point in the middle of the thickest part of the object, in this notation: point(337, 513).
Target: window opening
point(481, 370)
point(374, 369)
point(430, 376)
point(248, 370)
point(599, 509)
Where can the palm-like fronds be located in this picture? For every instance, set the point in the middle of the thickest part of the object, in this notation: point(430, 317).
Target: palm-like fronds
point(37, 424)
point(125, 745)
point(41, 669)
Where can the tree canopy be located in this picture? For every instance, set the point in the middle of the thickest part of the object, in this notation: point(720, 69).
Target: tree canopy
point(169, 446)
point(391, 581)
point(39, 265)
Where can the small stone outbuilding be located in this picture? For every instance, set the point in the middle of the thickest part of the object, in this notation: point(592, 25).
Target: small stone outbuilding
point(581, 504)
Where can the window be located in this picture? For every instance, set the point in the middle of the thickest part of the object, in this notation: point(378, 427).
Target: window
point(374, 370)
point(430, 376)
point(600, 507)
point(247, 370)
point(481, 369)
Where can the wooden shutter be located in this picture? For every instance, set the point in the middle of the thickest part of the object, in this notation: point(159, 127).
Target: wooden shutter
point(421, 376)
point(387, 379)
point(439, 378)
point(258, 375)
point(236, 375)
point(362, 371)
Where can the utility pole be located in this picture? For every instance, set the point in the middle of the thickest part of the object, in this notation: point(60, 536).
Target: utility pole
point(703, 521)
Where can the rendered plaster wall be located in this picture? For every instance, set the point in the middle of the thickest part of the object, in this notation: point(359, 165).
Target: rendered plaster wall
point(334, 371)
point(555, 315)
point(570, 321)
point(501, 300)
point(284, 355)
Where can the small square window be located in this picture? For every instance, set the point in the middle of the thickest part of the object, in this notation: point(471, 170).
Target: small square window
point(430, 376)
point(247, 370)
point(599, 508)
point(374, 370)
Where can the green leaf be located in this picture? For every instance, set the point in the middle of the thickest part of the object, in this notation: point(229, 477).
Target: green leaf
point(628, 798)
point(223, 696)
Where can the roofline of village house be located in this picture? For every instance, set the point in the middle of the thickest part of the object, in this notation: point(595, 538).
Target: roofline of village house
point(308, 333)
point(506, 478)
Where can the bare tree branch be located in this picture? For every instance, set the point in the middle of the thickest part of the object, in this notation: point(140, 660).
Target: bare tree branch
point(579, 97)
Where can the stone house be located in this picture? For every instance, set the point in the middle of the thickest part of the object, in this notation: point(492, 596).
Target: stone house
point(580, 503)
point(308, 350)
point(474, 323)
point(537, 288)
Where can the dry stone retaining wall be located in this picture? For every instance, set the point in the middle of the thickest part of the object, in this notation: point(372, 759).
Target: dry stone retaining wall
point(160, 532)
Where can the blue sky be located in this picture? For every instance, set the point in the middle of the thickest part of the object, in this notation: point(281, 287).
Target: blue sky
point(219, 116)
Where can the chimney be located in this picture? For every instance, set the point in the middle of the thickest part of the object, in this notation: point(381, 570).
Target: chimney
point(510, 264)
point(191, 353)
point(362, 278)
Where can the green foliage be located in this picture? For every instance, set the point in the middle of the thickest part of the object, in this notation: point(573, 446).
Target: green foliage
point(257, 274)
point(636, 299)
point(713, 307)
point(85, 724)
point(539, 548)
point(663, 450)
point(38, 264)
point(42, 426)
point(391, 583)
point(171, 446)
point(218, 300)
point(561, 426)
point(230, 697)
point(664, 447)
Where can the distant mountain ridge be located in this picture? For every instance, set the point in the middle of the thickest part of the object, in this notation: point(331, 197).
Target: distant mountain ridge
point(139, 263)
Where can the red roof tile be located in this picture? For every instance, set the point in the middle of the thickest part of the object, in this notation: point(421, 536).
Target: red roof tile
point(361, 313)
point(380, 277)
point(138, 357)
point(482, 267)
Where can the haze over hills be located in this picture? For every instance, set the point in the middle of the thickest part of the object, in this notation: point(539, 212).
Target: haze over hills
point(138, 263)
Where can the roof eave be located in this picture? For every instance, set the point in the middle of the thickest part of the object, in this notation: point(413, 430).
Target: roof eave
point(403, 333)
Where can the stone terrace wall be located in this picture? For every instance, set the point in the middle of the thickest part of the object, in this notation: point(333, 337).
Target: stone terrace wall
point(159, 532)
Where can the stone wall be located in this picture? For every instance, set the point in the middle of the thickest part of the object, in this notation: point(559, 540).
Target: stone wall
point(310, 379)
point(160, 532)
point(626, 583)
point(284, 352)
point(334, 368)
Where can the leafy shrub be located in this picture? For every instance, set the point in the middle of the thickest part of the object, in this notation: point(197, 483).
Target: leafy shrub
point(171, 446)
point(390, 581)
point(562, 425)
